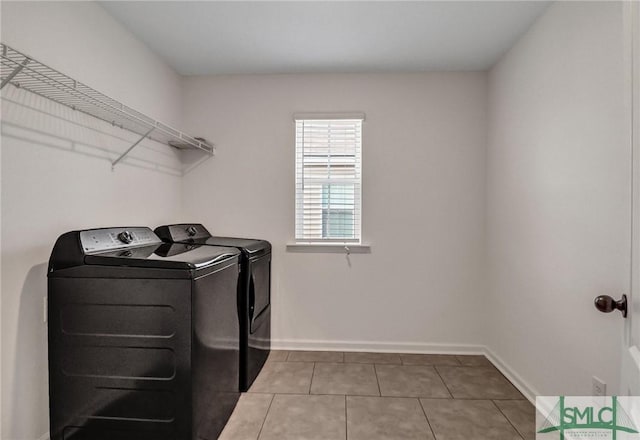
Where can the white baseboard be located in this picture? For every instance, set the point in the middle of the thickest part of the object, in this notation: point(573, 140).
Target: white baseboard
point(378, 347)
point(522, 385)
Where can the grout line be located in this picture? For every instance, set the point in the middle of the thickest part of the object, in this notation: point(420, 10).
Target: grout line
point(265, 416)
point(338, 395)
point(442, 379)
point(346, 423)
point(375, 371)
point(476, 398)
point(426, 417)
point(286, 359)
point(313, 371)
point(293, 393)
point(508, 420)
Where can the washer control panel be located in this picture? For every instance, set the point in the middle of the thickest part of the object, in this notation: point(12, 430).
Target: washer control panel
point(100, 240)
point(183, 232)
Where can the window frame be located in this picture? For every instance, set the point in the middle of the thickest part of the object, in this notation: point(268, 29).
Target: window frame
point(341, 242)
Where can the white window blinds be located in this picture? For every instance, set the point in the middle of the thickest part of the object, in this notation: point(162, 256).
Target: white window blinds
point(328, 180)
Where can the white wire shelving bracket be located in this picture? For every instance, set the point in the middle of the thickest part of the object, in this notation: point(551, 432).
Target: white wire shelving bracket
point(24, 72)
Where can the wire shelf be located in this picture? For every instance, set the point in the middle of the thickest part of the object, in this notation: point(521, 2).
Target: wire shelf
point(27, 73)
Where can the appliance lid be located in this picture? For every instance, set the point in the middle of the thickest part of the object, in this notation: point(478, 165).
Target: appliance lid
point(165, 255)
point(132, 247)
point(248, 244)
point(198, 234)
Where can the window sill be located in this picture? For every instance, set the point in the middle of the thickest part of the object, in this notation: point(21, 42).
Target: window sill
point(330, 248)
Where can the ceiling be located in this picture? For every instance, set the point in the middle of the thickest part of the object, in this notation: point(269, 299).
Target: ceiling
point(209, 37)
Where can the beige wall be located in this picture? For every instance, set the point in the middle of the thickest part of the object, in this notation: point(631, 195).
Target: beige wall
point(56, 176)
point(421, 287)
point(558, 199)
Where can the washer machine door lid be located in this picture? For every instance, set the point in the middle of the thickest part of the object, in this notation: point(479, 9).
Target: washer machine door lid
point(168, 256)
point(251, 246)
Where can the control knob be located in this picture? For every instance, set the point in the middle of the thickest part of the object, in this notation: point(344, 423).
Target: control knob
point(125, 237)
point(191, 230)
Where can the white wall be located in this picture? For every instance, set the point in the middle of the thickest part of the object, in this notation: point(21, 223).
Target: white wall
point(56, 175)
point(554, 215)
point(558, 199)
point(423, 203)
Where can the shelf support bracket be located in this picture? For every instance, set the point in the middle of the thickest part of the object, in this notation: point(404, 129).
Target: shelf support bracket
point(113, 164)
point(14, 73)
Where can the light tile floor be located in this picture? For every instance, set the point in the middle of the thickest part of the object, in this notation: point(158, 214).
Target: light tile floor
point(313, 395)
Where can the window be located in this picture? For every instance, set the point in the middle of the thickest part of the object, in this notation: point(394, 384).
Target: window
point(328, 180)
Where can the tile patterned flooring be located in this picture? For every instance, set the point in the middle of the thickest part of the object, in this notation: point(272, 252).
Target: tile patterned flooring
point(315, 395)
